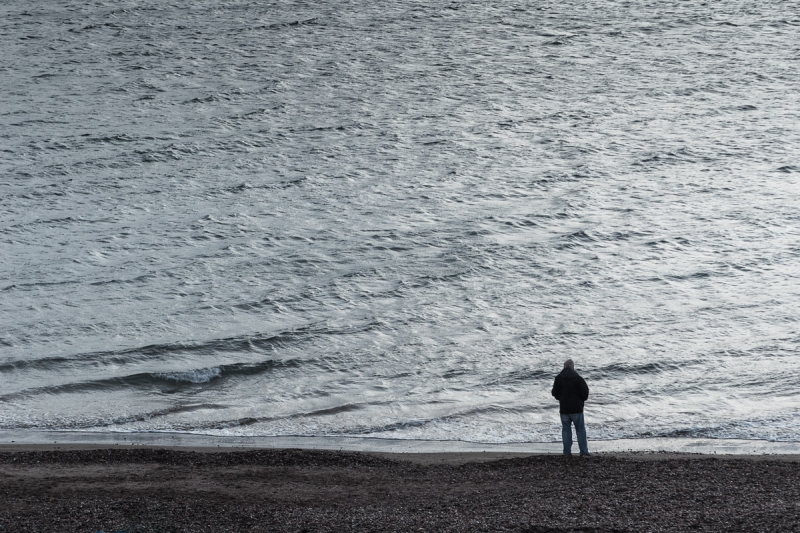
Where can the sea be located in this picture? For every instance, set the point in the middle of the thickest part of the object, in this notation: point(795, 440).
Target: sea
point(397, 220)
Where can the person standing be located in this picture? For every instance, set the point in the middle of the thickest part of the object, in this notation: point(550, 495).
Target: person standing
point(571, 391)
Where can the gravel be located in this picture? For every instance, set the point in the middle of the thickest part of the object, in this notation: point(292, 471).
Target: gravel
point(156, 490)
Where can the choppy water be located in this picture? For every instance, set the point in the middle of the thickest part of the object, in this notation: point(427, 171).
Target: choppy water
point(397, 219)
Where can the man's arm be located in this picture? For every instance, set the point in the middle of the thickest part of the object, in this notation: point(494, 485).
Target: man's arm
point(584, 390)
point(556, 392)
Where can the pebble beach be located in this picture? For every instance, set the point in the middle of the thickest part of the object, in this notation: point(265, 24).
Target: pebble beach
point(117, 489)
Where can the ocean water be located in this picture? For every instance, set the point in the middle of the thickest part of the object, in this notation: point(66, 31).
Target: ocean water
point(398, 219)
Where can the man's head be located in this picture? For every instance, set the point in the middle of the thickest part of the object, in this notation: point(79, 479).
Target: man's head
point(569, 364)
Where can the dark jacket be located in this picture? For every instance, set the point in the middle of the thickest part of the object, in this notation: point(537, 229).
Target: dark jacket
point(571, 391)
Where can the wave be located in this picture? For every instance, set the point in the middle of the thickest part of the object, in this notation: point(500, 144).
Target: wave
point(220, 424)
point(521, 376)
point(622, 369)
point(247, 186)
point(180, 409)
point(203, 375)
point(151, 380)
point(280, 25)
point(86, 424)
point(416, 423)
point(367, 429)
point(787, 169)
point(259, 343)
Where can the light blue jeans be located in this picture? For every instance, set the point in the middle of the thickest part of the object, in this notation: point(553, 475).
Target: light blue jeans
point(580, 430)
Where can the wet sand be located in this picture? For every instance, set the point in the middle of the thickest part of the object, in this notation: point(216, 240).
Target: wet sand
point(145, 489)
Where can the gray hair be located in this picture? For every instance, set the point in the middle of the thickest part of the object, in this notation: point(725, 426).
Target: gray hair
point(569, 364)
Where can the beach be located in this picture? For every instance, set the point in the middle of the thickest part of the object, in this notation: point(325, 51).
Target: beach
point(314, 266)
point(92, 488)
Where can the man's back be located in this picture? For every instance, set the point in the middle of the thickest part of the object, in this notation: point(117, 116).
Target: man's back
point(571, 391)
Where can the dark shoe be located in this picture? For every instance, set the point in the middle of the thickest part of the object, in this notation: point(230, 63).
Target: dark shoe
point(587, 454)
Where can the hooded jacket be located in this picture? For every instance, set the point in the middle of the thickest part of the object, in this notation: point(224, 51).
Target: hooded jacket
point(571, 391)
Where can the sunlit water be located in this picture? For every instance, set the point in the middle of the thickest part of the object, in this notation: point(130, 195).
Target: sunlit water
point(397, 219)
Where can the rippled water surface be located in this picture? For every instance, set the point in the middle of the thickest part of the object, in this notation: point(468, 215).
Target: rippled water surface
point(397, 219)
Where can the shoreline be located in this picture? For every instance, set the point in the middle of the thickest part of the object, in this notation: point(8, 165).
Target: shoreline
point(12, 440)
point(421, 458)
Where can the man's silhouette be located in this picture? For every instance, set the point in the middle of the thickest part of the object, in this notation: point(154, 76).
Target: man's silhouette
point(571, 391)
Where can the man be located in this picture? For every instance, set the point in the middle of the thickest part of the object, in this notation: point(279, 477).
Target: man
point(571, 391)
